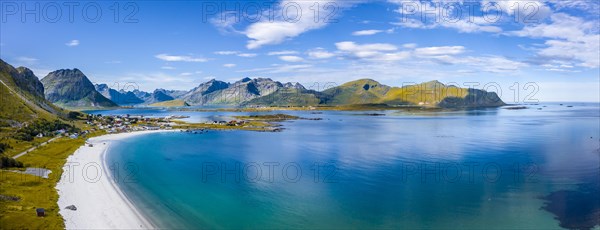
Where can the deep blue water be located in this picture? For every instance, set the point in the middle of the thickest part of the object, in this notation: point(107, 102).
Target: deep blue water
point(477, 169)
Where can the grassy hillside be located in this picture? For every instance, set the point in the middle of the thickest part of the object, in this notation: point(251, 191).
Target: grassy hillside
point(288, 97)
point(22, 109)
point(425, 94)
point(369, 92)
point(20, 105)
point(364, 91)
point(171, 103)
point(33, 191)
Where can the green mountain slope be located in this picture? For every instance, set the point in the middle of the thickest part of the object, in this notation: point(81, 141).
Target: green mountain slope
point(71, 88)
point(436, 94)
point(21, 97)
point(368, 91)
point(363, 91)
point(288, 97)
point(172, 103)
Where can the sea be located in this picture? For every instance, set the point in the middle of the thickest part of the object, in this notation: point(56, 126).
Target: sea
point(495, 168)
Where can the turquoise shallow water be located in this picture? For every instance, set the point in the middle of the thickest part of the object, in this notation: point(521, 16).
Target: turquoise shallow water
point(491, 169)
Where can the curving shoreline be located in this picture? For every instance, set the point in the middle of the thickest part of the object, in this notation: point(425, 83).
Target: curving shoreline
point(99, 201)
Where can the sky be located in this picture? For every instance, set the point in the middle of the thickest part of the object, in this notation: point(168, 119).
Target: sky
point(526, 51)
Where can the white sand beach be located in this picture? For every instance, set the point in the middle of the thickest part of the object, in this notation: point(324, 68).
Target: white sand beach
point(100, 203)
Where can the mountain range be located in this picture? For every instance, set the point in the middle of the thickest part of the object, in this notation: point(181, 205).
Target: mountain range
point(70, 88)
point(267, 92)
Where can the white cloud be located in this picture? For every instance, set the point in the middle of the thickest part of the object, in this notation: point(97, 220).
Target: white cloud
point(440, 50)
point(530, 11)
point(225, 24)
point(72, 43)
point(488, 63)
point(431, 15)
point(410, 45)
point(168, 67)
point(351, 46)
point(497, 64)
point(291, 58)
point(446, 55)
point(477, 25)
point(569, 39)
point(320, 53)
point(247, 55)
point(365, 50)
point(173, 58)
point(589, 6)
point(394, 56)
point(27, 60)
point(229, 65)
point(563, 26)
point(283, 52)
point(227, 52)
point(566, 38)
point(372, 52)
point(558, 66)
point(276, 69)
point(270, 32)
point(186, 74)
point(237, 53)
point(366, 32)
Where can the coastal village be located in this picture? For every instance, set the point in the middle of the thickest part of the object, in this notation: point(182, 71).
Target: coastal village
point(127, 123)
point(132, 123)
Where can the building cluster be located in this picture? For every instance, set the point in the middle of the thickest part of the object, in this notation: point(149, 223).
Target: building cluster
point(127, 123)
point(227, 123)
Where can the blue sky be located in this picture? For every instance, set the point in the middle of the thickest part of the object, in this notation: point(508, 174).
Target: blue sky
point(178, 45)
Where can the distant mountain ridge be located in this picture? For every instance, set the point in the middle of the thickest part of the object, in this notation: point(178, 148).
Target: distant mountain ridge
point(368, 91)
point(212, 92)
point(71, 88)
point(120, 97)
point(267, 92)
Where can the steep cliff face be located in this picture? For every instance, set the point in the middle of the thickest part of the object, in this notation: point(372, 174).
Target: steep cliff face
point(218, 92)
point(26, 80)
point(71, 88)
point(22, 96)
point(200, 94)
point(474, 98)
